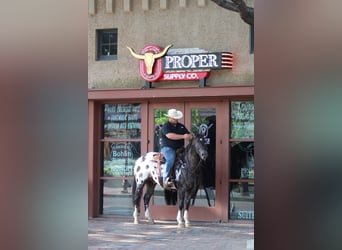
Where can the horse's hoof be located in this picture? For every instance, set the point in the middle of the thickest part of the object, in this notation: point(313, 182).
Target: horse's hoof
point(187, 224)
point(136, 221)
point(151, 221)
point(180, 225)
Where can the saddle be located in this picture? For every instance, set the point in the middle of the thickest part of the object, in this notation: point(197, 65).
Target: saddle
point(159, 158)
point(175, 170)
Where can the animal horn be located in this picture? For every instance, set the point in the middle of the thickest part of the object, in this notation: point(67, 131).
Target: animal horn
point(138, 56)
point(160, 54)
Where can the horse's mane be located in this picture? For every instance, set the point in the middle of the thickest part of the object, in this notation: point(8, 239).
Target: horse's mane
point(187, 149)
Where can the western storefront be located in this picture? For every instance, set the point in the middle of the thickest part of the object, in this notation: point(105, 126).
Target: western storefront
point(199, 68)
point(123, 124)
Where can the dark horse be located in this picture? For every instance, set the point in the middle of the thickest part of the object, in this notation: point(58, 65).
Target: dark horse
point(190, 176)
point(147, 172)
point(209, 168)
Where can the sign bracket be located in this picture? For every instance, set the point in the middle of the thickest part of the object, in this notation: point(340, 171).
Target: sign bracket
point(202, 82)
point(148, 84)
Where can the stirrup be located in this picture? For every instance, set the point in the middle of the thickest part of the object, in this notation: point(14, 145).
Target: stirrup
point(169, 185)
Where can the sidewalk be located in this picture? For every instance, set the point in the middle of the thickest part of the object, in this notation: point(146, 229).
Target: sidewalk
point(112, 233)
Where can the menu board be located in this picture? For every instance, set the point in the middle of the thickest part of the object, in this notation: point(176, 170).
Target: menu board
point(122, 121)
point(242, 119)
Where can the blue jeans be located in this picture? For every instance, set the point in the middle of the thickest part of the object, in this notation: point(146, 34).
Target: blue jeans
point(170, 157)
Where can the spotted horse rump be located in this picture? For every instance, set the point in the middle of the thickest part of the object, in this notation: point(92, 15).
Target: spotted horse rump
point(147, 166)
point(147, 172)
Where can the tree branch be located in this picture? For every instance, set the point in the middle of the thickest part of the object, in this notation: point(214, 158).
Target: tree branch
point(246, 13)
point(226, 5)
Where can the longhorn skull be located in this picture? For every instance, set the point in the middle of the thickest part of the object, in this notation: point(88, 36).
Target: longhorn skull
point(149, 57)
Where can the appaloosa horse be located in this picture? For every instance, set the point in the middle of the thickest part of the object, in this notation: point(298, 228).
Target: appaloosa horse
point(147, 172)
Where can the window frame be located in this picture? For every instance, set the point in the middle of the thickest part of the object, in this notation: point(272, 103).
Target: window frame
point(100, 43)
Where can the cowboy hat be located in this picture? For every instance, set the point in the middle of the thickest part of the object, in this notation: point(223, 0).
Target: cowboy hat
point(175, 114)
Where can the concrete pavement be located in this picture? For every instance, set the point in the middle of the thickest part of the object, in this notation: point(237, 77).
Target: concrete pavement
point(113, 233)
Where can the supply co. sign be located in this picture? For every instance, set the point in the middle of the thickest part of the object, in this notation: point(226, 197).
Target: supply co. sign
point(162, 64)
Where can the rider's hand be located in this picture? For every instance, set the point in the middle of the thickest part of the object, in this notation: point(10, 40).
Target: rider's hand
point(187, 136)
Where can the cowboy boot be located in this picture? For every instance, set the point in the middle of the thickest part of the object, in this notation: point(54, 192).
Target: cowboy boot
point(169, 185)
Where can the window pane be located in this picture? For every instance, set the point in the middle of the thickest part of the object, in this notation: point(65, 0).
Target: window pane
point(119, 158)
point(242, 119)
point(122, 121)
point(159, 120)
point(116, 197)
point(105, 50)
point(242, 201)
point(112, 49)
point(112, 37)
point(241, 193)
point(105, 37)
point(242, 160)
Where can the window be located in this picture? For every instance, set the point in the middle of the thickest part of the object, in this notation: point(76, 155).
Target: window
point(107, 44)
point(120, 144)
point(241, 183)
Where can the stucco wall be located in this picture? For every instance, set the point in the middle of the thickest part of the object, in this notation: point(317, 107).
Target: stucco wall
point(208, 27)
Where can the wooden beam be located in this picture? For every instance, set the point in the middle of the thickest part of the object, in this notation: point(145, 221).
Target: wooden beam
point(186, 92)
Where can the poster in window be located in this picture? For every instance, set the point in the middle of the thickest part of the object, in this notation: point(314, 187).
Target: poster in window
point(122, 121)
point(242, 119)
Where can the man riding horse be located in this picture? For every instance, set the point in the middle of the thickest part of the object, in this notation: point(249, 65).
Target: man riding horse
point(173, 134)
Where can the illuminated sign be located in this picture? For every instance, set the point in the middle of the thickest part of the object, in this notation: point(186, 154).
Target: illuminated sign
point(198, 61)
point(158, 64)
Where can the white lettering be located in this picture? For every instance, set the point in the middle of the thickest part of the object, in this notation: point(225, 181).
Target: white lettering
point(212, 60)
point(177, 62)
point(203, 61)
point(168, 60)
point(122, 154)
point(181, 76)
point(189, 61)
point(192, 61)
point(195, 59)
point(174, 76)
point(246, 215)
point(192, 76)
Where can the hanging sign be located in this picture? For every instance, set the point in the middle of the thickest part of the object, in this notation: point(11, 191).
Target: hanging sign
point(163, 64)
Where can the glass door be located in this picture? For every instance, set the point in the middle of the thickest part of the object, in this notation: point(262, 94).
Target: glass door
point(199, 118)
point(203, 121)
point(204, 117)
point(157, 114)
